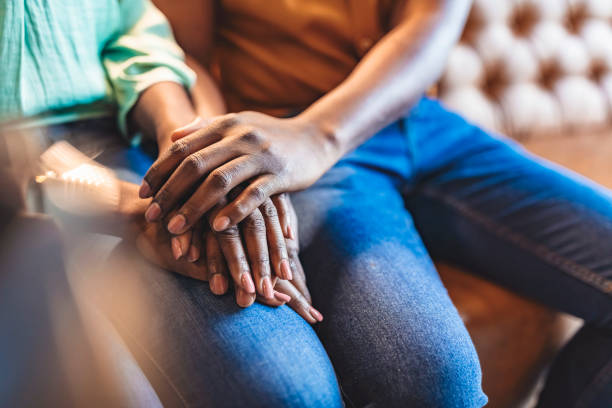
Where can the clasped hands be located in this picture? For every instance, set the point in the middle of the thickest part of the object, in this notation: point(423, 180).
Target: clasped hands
point(219, 190)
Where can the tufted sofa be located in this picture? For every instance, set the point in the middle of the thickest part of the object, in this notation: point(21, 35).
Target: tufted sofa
point(534, 67)
point(539, 71)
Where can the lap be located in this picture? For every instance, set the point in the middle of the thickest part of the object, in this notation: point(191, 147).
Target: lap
point(502, 212)
point(391, 331)
point(201, 350)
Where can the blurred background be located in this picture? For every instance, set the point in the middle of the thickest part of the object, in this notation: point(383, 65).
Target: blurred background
point(539, 71)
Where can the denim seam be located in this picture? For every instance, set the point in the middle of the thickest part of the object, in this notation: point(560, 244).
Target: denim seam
point(602, 378)
point(579, 272)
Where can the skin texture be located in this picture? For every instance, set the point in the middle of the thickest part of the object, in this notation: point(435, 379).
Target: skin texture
point(267, 155)
point(241, 253)
point(153, 241)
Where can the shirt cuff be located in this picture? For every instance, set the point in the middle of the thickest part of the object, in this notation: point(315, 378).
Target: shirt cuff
point(129, 88)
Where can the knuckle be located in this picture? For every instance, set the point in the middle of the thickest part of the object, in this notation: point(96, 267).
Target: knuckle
point(152, 173)
point(214, 259)
point(274, 162)
point(299, 303)
point(293, 264)
point(258, 193)
point(255, 224)
point(241, 209)
point(268, 209)
point(252, 137)
point(229, 234)
point(231, 119)
point(293, 253)
point(179, 148)
point(189, 209)
point(220, 179)
point(263, 263)
point(195, 163)
point(243, 264)
point(163, 197)
point(279, 247)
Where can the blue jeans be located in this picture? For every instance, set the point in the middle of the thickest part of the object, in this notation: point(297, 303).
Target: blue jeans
point(428, 185)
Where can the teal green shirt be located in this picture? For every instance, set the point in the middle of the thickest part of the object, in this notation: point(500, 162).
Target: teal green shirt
point(64, 60)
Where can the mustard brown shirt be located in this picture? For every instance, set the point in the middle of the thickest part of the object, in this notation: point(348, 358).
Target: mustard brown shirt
point(279, 56)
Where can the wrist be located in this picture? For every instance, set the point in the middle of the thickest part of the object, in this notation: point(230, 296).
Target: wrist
point(323, 132)
point(160, 109)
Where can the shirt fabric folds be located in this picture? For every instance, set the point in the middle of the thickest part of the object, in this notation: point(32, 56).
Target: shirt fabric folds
point(64, 60)
point(279, 56)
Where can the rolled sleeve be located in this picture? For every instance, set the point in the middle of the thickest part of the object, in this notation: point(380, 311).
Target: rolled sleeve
point(142, 54)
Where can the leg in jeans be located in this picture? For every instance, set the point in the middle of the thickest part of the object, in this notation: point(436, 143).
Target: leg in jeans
point(198, 349)
point(195, 348)
point(484, 203)
point(392, 333)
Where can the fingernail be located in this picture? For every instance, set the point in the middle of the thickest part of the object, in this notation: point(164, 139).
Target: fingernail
point(221, 223)
point(316, 314)
point(289, 232)
point(247, 283)
point(286, 270)
point(267, 288)
point(281, 297)
point(216, 284)
point(176, 248)
point(194, 254)
point(176, 224)
point(145, 190)
point(153, 212)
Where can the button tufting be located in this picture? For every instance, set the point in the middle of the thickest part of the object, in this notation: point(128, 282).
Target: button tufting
point(529, 65)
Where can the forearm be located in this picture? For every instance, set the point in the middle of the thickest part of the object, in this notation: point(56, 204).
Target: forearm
point(391, 77)
point(207, 98)
point(160, 109)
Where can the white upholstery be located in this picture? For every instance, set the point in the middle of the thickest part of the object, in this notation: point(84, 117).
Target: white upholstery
point(526, 67)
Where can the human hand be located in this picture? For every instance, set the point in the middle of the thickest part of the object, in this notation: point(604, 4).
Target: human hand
point(253, 253)
point(248, 249)
point(268, 154)
point(296, 288)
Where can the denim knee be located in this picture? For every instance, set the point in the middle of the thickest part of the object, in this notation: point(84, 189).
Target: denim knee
point(445, 378)
point(436, 374)
point(291, 388)
point(456, 376)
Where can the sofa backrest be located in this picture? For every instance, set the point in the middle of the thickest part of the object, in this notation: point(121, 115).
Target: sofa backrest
point(529, 67)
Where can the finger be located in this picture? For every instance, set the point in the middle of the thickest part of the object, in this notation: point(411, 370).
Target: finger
point(193, 254)
point(299, 278)
point(251, 198)
point(279, 299)
point(244, 299)
point(234, 254)
point(276, 241)
point(281, 202)
point(215, 262)
point(299, 303)
point(180, 244)
point(216, 186)
point(161, 255)
point(254, 234)
point(191, 170)
point(189, 128)
point(159, 172)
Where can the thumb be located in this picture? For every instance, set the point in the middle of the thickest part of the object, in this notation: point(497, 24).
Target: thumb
point(191, 127)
